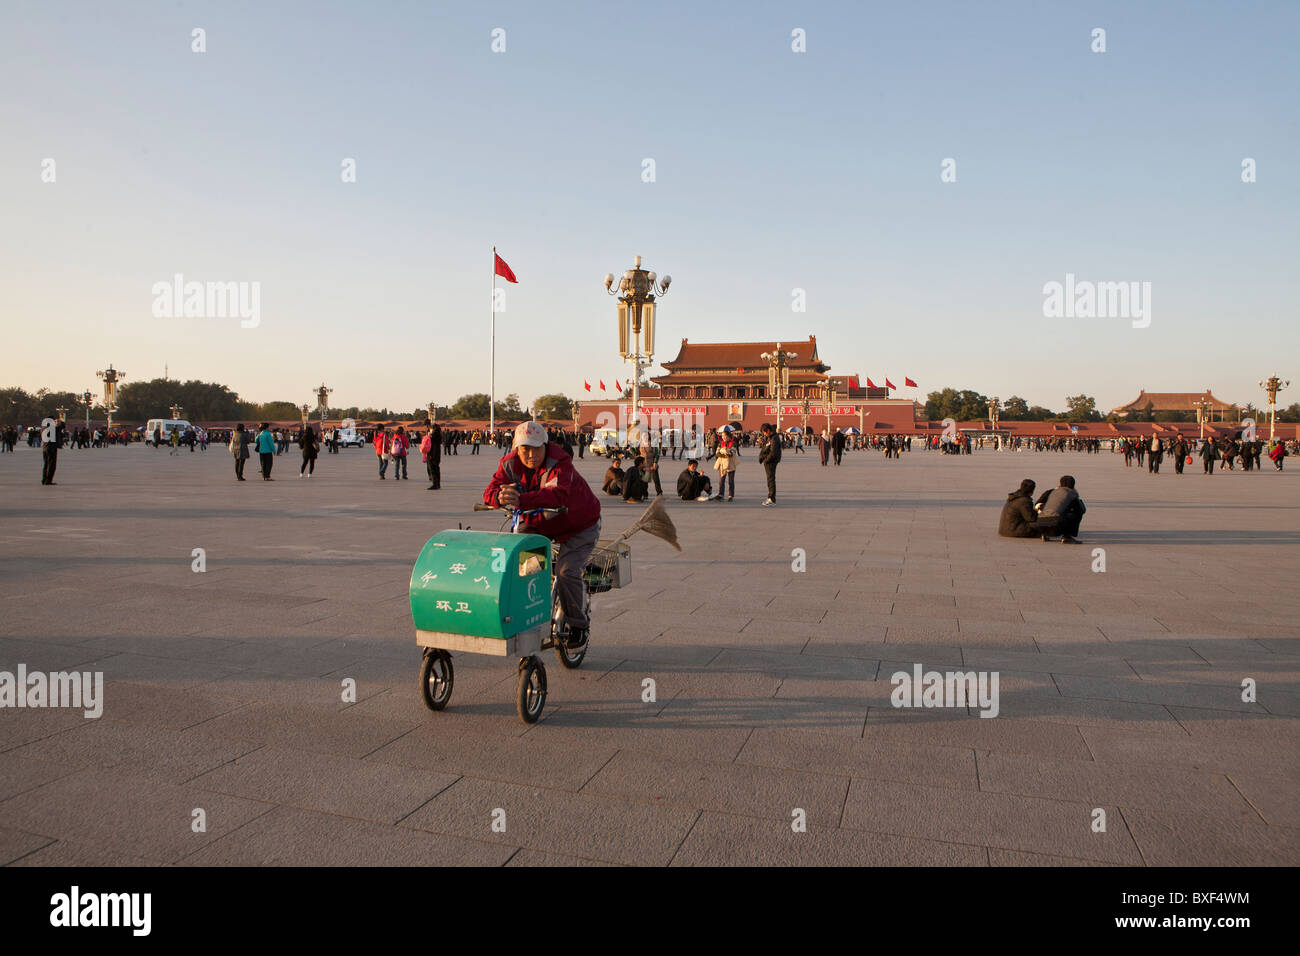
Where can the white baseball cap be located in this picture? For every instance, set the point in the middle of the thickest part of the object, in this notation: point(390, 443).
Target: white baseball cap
point(530, 433)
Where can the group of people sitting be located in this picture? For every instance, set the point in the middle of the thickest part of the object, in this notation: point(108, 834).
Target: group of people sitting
point(633, 483)
point(1057, 512)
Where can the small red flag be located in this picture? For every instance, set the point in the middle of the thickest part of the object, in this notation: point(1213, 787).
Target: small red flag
point(503, 270)
point(870, 383)
point(853, 381)
point(586, 385)
point(602, 385)
point(889, 384)
point(909, 383)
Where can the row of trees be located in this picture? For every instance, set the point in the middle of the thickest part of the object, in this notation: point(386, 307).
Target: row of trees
point(208, 401)
point(965, 405)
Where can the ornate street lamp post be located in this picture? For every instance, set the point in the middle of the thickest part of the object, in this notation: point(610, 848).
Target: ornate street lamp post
point(828, 400)
point(178, 411)
point(322, 399)
point(111, 377)
point(807, 406)
point(636, 311)
point(778, 377)
point(1272, 387)
point(87, 398)
point(1202, 414)
point(433, 412)
point(305, 409)
point(62, 412)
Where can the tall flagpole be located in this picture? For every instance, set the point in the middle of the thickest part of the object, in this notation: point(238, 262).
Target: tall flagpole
point(492, 398)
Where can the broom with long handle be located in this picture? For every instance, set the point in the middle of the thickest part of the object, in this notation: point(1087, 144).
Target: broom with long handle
point(655, 521)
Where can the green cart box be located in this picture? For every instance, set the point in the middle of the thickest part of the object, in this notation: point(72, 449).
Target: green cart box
point(482, 592)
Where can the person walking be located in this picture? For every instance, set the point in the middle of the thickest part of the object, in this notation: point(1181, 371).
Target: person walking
point(51, 441)
point(1155, 453)
point(431, 451)
point(769, 458)
point(266, 450)
point(399, 448)
point(824, 447)
point(381, 450)
point(837, 446)
point(310, 446)
point(239, 450)
point(724, 462)
point(1208, 454)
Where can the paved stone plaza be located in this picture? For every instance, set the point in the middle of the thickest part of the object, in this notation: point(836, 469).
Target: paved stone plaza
point(1120, 690)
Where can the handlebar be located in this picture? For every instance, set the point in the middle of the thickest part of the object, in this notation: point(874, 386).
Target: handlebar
point(554, 511)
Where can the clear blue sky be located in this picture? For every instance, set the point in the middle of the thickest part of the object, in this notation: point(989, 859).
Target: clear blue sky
point(775, 170)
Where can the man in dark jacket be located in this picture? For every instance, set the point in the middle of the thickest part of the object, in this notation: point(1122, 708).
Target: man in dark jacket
point(769, 458)
point(1180, 453)
point(538, 474)
point(51, 442)
point(613, 478)
point(1018, 519)
point(692, 484)
point(837, 446)
point(1065, 509)
point(636, 486)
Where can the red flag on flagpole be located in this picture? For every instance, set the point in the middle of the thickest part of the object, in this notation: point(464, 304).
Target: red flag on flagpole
point(586, 385)
point(602, 385)
point(889, 384)
point(870, 384)
point(909, 383)
point(853, 381)
point(503, 270)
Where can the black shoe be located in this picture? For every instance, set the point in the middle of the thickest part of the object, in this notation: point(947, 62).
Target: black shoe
point(1069, 540)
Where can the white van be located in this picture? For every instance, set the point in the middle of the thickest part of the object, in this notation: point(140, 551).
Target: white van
point(167, 426)
point(602, 440)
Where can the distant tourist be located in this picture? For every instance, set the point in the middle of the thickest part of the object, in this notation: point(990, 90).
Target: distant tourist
point(728, 454)
point(769, 458)
point(431, 452)
point(266, 450)
point(239, 449)
point(307, 442)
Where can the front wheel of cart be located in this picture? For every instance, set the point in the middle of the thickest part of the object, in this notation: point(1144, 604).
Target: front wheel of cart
point(437, 677)
point(530, 691)
point(570, 657)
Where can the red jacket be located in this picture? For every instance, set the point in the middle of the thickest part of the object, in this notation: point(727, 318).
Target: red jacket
point(555, 484)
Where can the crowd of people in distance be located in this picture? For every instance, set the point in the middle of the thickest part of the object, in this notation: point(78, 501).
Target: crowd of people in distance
point(1183, 451)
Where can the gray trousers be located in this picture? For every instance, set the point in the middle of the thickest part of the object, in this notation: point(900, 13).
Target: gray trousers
point(568, 574)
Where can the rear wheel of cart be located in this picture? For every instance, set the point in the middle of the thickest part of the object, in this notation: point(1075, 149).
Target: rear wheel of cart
point(437, 677)
point(530, 691)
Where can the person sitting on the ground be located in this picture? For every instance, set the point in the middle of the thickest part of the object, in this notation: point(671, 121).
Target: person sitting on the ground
point(1018, 519)
point(1065, 506)
point(693, 484)
point(613, 478)
point(635, 485)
